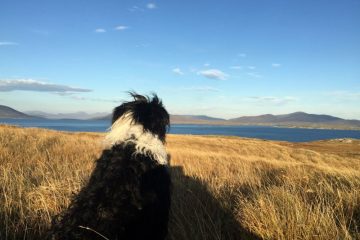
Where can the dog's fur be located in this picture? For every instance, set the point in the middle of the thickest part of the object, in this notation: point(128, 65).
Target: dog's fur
point(128, 194)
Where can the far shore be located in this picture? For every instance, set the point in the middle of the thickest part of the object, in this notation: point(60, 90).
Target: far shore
point(304, 125)
point(285, 125)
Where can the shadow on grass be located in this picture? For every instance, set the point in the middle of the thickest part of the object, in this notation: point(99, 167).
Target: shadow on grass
point(196, 214)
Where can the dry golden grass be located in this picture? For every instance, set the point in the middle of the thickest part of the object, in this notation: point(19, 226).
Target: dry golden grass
point(224, 187)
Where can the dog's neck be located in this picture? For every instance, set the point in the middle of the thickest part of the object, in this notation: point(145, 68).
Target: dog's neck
point(125, 131)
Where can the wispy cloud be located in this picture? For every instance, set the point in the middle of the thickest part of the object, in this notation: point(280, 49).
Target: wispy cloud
point(136, 9)
point(214, 74)
point(121, 28)
point(344, 95)
point(254, 75)
point(100, 30)
point(6, 43)
point(178, 71)
point(271, 99)
point(40, 32)
point(148, 6)
point(38, 86)
point(243, 55)
point(236, 67)
point(151, 6)
point(276, 65)
point(251, 67)
point(206, 64)
point(202, 89)
point(82, 98)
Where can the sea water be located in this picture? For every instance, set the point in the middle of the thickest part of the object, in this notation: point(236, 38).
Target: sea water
point(262, 132)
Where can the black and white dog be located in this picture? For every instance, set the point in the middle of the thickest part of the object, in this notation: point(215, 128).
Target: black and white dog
point(128, 194)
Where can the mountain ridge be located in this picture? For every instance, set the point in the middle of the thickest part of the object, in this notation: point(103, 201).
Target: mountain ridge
point(291, 117)
point(8, 112)
point(80, 115)
point(295, 119)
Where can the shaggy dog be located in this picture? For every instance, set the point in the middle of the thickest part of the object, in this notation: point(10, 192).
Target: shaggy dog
point(128, 193)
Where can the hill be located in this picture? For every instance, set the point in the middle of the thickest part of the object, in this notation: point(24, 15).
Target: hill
point(292, 117)
point(181, 119)
point(298, 119)
point(196, 119)
point(8, 112)
point(75, 115)
point(106, 117)
point(223, 187)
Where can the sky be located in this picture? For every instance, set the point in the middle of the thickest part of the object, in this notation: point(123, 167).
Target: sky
point(218, 58)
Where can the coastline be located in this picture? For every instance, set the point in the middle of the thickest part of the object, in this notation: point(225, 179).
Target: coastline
point(286, 125)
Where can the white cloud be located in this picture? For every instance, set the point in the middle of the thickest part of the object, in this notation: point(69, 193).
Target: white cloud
point(136, 9)
point(271, 99)
point(100, 30)
point(151, 6)
point(236, 67)
point(206, 64)
point(8, 43)
point(276, 65)
point(121, 28)
point(242, 55)
point(254, 75)
point(178, 71)
point(38, 86)
point(251, 67)
point(214, 74)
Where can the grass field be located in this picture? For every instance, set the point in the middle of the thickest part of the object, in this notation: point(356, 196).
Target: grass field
point(223, 187)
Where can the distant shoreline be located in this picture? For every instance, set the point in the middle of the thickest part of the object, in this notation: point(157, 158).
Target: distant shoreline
point(292, 120)
point(298, 125)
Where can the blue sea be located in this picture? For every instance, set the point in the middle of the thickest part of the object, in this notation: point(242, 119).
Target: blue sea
point(261, 132)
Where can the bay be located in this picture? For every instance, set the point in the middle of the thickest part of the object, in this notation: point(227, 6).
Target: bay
point(261, 132)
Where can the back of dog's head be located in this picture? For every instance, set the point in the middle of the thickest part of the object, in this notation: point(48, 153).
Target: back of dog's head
point(147, 111)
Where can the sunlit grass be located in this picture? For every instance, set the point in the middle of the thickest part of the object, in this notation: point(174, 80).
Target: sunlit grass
point(223, 187)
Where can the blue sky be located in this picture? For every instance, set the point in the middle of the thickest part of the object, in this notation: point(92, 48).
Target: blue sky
point(219, 58)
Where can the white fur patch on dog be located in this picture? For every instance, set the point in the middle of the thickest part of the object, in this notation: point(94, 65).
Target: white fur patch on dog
point(124, 130)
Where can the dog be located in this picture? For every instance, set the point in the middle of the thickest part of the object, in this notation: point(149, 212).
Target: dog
point(128, 193)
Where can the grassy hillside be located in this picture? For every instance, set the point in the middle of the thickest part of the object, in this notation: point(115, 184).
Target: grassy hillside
point(224, 187)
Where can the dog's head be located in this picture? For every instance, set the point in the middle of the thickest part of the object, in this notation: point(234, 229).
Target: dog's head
point(148, 112)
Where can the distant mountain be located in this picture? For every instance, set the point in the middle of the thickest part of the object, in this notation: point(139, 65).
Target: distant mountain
point(297, 119)
point(181, 118)
point(193, 119)
point(292, 117)
point(106, 117)
point(76, 115)
point(8, 112)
